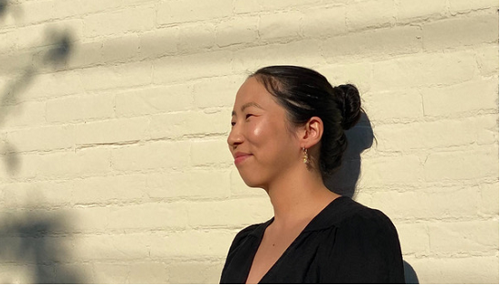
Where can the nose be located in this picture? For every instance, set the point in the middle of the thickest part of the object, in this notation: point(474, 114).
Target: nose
point(235, 137)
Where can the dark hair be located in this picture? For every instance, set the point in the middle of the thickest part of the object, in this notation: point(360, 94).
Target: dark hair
point(305, 93)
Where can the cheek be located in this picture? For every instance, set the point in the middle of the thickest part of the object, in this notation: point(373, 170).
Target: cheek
point(259, 131)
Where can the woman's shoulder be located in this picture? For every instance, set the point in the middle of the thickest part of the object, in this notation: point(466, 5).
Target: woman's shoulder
point(251, 231)
point(347, 213)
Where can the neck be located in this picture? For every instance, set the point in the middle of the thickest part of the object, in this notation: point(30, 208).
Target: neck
point(298, 197)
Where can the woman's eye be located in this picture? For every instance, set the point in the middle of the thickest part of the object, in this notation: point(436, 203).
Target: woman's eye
point(233, 123)
point(248, 116)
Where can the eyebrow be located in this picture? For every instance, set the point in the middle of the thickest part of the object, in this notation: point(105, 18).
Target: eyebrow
point(249, 104)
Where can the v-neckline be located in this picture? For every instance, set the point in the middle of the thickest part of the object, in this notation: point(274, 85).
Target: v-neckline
point(262, 231)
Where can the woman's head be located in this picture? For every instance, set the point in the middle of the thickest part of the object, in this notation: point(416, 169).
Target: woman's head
point(303, 94)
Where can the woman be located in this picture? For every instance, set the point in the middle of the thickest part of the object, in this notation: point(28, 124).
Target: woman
point(287, 135)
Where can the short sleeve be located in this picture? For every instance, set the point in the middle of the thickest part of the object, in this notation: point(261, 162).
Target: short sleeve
point(366, 249)
point(235, 259)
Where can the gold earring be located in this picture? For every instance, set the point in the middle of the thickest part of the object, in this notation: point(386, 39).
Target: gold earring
point(305, 158)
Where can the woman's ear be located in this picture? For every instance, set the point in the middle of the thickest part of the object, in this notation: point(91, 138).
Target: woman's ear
point(311, 132)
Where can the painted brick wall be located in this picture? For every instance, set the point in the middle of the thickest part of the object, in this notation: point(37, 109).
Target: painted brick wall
point(114, 116)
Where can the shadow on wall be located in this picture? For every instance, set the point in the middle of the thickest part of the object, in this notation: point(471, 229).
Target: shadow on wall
point(3, 7)
point(344, 180)
point(39, 246)
point(360, 137)
point(35, 247)
point(410, 274)
point(56, 54)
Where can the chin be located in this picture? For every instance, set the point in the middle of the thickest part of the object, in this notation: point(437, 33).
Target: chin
point(252, 180)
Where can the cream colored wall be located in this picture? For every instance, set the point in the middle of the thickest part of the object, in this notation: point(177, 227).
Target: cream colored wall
point(114, 116)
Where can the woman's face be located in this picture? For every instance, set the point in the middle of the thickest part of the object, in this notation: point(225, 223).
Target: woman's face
point(259, 140)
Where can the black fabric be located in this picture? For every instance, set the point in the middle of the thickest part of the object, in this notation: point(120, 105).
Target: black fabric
point(345, 243)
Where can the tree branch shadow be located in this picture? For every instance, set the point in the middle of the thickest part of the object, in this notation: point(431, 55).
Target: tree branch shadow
point(54, 56)
point(39, 242)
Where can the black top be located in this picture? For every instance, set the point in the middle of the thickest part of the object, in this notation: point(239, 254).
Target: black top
point(345, 243)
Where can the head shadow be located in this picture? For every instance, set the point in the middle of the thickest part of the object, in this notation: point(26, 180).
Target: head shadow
point(359, 138)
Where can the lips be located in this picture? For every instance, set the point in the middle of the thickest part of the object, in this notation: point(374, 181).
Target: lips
point(239, 157)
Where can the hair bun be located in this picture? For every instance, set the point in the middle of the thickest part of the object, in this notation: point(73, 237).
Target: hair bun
point(349, 103)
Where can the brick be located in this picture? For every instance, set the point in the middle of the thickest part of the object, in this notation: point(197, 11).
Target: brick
point(133, 19)
point(404, 105)
point(464, 6)
point(52, 33)
point(74, 273)
point(361, 14)
point(93, 6)
point(70, 164)
point(359, 74)
point(31, 12)
point(456, 202)
point(464, 165)
point(273, 27)
point(120, 49)
point(124, 75)
point(423, 70)
point(391, 170)
point(387, 41)
point(85, 54)
point(25, 114)
point(52, 10)
point(176, 125)
point(157, 155)
point(112, 271)
point(472, 269)
point(148, 272)
point(438, 134)
point(18, 273)
point(191, 10)
point(217, 92)
point(487, 60)
point(210, 152)
point(80, 108)
point(414, 239)
point(229, 213)
point(50, 85)
point(184, 68)
point(246, 6)
point(153, 100)
point(195, 183)
point(410, 11)
point(488, 203)
point(43, 139)
point(159, 42)
point(318, 22)
point(463, 237)
point(29, 36)
point(249, 60)
point(121, 188)
point(465, 98)
point(44, 194)
point(235, 31)
point(192, 243)
point(14, 165)
point(112, 247)
point(207, 271)
point(196, 37)
point(146, 216)
point(453, 33)
point(112, 131)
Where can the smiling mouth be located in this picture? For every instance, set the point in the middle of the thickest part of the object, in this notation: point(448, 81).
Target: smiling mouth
point(240, 158)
